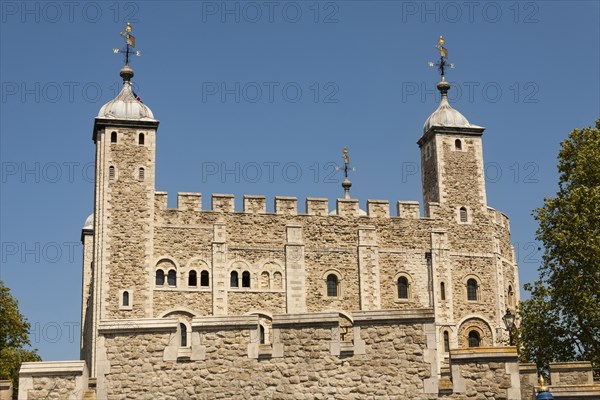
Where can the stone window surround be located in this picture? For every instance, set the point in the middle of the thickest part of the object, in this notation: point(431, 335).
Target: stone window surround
point(463, 143)
point(340, 287)
point(198, 278)
point(116, 137)
point(469, 212)
point(142, 136)
point(410, 286)
point(113, 174)
point(478, 280)
point(130, 306)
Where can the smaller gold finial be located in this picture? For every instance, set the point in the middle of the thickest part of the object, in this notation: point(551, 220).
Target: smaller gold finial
point(441, 41)
point(543, 388)
point(345, 156)
point(128, 28)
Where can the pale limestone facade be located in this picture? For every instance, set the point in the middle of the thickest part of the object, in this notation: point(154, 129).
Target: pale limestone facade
point(204, 302)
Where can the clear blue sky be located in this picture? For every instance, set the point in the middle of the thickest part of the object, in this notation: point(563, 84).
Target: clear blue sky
point(274, 86)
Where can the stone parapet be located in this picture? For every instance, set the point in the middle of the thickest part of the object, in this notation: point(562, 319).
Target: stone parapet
point(286, 205)
point(255, 204)
point(223, 203)
point(6, 390)
point(347, 207)
point(408, 209)
point(53, 379)
point(317, 206)
point(378, 208)
point(189, 201)
point(571, 373)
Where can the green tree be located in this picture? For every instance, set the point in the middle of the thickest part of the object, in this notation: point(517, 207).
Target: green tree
point(561, 320)
point(14, 331)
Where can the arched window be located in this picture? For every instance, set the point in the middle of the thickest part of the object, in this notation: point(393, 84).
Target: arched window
point(141, 174)
point(245, 279)
point(446, 342)
point(172, 278)
point(457, 144)
point(277, 280)
point(183, 335)
point(443, 290)
point(262, 334)
point(160, 277)
point(511, 296)
point(463, 214)
point(332, 285)
point(141, 139)
point(125, 299)
point(474, 339)
point(233, 279)
point(192, 278)
point(264, 280)
point(111, 172)
point(402, 287)
point(471, 289)
point(113, 137)
point(204, 279)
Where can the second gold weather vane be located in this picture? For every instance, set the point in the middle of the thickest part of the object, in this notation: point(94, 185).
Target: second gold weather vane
point(442, 64)
point(129, 44)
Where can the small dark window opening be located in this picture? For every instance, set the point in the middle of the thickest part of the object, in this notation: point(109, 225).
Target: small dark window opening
point(113, 137)
point(125, 299)
point(183, 332)
point(141, 174)
point(160, 277)
point(471, 289)
point(511, 296)
point(204, 278)
point(446, 342)
point(245, 279)
point(172, 278)
point(402, 288)
point(262, 335)
point(458, 144)
point(463, 214)
point(443, 290)
point(233, 279)
point(141, 139)
point(192, 279)
point(332, 285)
point(474, 339)
point(111, 172)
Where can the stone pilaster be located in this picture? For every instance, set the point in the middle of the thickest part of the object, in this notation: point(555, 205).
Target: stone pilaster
point(294, 270)
point(368, 266)
point(219, 268)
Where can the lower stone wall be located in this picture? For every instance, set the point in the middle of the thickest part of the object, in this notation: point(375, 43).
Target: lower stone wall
point(305, 361)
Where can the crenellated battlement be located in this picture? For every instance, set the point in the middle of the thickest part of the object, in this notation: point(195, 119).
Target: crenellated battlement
point(286, 205)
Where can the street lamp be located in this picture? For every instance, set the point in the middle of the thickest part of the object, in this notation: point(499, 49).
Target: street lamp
point(509, 322)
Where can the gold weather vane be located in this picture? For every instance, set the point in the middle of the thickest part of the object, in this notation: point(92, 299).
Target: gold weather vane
point(346, 184)
point(129, 44)
point(443, 57)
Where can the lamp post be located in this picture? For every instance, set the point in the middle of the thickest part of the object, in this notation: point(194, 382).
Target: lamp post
point(509, 322)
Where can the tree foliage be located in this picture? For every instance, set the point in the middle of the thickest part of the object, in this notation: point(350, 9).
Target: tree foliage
point(14, 331)
point(561, 320)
